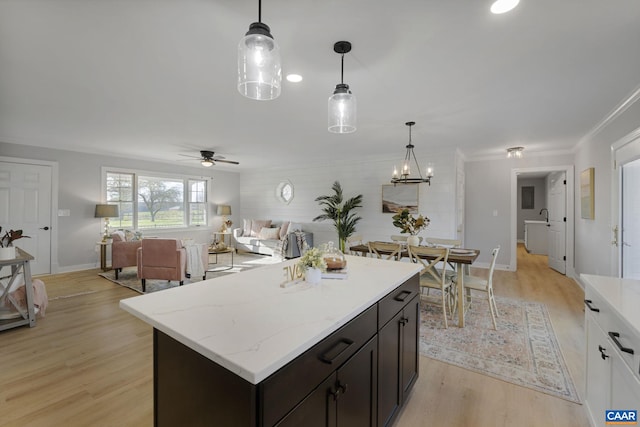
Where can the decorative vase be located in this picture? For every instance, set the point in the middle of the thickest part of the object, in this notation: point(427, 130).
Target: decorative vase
point(312, 276)
point(413, 241)
point(7, 253)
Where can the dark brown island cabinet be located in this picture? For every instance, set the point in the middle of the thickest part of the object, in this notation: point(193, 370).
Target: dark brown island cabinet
point(360, 375)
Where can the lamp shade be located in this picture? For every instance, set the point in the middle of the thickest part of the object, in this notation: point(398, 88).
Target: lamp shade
point(107, 211)
point(224, 210)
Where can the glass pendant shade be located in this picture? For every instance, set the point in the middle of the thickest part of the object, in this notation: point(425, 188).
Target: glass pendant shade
point(342, 110)
point(259, 67)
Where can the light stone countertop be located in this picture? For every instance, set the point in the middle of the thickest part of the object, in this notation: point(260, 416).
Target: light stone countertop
point(623, 295)
point(250, 325)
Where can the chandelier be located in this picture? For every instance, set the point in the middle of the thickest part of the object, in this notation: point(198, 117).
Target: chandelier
point(404, 177)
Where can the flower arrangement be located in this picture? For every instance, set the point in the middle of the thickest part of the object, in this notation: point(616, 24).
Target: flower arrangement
point(313, 258)
point(407, 223)
point(9, 236)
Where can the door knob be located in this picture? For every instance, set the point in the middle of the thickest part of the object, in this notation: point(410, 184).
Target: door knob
point(45, 228)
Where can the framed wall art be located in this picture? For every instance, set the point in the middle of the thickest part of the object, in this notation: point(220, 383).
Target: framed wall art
point(396, 198)
point(587, 209)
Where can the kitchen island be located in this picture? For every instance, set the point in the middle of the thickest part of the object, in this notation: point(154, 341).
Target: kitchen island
point(242, 350)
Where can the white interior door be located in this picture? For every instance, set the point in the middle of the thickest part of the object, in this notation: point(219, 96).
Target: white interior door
point(629, 226)
point(25, 204)
point(557, 202)
point(625, 206)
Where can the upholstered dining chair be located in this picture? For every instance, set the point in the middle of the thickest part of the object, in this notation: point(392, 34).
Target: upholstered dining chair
point(434, 276)
point(485, 285)
point(385, 250)
point(403, 239)
point(163, 259)
point(437, 241)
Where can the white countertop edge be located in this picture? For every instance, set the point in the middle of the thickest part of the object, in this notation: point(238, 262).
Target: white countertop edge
point(596, 282)
point(256, 377)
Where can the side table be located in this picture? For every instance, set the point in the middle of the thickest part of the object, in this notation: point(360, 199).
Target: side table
point(216, 252)
point(28, 316)
point(103, 255)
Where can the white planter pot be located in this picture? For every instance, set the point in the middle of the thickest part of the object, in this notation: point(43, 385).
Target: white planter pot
point(413, 241)
point(7, 253)
point(313, 276)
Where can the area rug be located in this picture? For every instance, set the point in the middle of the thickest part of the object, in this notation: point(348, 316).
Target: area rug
point(128, 277)
point(523, 351)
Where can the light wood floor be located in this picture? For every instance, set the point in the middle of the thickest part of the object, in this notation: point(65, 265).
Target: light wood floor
point(88, 363)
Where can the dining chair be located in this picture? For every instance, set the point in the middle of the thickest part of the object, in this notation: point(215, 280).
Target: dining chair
point(353, 240)
point(403, 239)
point(485, 285)
point(385, 250)
point(434, 276)
point(437, 241)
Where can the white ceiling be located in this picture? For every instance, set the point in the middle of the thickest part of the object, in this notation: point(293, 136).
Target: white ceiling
point(157, 78)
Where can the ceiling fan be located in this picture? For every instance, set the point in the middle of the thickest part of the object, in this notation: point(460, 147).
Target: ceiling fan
point(208, 159)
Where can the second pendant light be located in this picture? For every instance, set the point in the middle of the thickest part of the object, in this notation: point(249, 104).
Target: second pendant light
point(342, 104)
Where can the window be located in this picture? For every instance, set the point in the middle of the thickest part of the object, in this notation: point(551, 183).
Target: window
point(160, 202)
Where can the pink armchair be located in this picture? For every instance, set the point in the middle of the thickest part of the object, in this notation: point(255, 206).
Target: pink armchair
point(123, 253)
point(165, 259)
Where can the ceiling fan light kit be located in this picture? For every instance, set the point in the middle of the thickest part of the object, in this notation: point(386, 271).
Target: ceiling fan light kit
point(259, 67)
point(404, 176)
point(515, 152)
point(503, 6)
point(342, 104)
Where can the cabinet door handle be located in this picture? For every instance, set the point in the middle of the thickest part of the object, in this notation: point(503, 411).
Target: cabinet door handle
point(404, 320)
point(402, 296)
point(602, 352)
point(336, 351)
point(614, 336)
point(588, 302)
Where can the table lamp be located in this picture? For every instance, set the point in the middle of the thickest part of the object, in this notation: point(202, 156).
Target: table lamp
point(224, 210)
point(106, 212)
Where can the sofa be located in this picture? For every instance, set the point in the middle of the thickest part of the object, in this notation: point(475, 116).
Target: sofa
point(267, 238)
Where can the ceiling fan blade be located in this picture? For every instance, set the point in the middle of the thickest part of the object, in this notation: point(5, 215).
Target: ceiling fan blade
point(188, 157)
point(227, 161)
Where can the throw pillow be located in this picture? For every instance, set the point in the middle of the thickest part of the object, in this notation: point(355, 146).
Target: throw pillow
point(117, 236)
point(284, 229)
point(129, 235)
point(257, 224)
point(246, 227)
point(269, 233)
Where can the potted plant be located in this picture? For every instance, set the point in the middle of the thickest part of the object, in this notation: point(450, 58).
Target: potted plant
point(7, 251)
point(340, 212)
point(313, 264)
point(407, 223)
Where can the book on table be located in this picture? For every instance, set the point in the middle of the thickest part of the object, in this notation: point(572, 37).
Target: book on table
point(335, 274)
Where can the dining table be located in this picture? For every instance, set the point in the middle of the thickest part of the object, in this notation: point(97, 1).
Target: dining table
point(460, 257)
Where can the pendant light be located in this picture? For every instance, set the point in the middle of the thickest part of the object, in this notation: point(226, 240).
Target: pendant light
point(404, 176)
point(259, 69)
point(342, 104)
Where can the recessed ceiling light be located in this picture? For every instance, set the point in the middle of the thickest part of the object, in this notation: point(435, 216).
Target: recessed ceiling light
point(294, 78)
point(502, 6)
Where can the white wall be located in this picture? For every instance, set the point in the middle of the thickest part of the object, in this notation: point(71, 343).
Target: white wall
point(366, 177)
point(80, 188)
point(488, 191)
point(593, 237)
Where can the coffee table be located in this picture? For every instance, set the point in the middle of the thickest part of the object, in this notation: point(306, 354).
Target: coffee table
point(216, 252)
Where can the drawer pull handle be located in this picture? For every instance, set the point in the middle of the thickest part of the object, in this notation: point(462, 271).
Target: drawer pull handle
point(336, 351)
point(602, 352)
point(614, 336)
point(404, 321)
point(402, 296)
point(588, 302)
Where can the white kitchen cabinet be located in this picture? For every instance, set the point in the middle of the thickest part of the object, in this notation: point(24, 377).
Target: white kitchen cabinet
point(536, 237)
point(612, 327)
